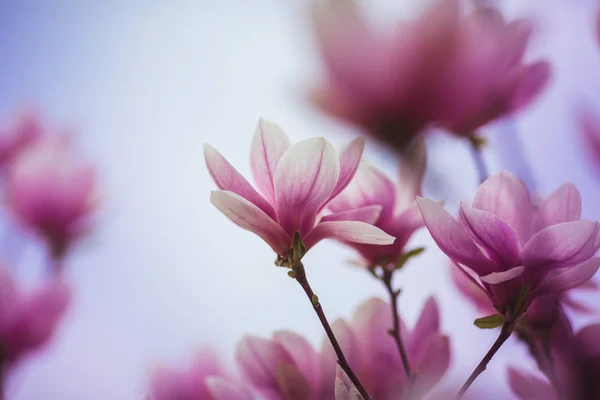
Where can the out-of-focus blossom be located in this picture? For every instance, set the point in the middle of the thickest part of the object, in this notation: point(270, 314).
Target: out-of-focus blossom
point(456, 72)
point(399, 217)
point(283, 368)
point(28, 320)
point(513, 253)
point(204, 380)
point(590, 129)
point(14, 139)
point(373, 355)
point(296, 182)
point(344, 388)
point(52, 192)
point(576, 368)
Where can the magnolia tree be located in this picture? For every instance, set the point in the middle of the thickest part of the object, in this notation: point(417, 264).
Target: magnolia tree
point(515, 255)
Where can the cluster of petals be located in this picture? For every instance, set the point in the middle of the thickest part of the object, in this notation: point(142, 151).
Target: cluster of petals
point(28, 319)
point(399, 217)
point(458, 72)
point(51, 191)
point(509, 248)
point(296, 182)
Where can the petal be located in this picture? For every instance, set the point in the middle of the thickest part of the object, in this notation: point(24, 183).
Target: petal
point(497, 238)
point(221, 389)
point(472, 290)
point(496, 278)
point(587, 340)
point(590, 130)
point(303, 354)
point(562, 245)
point(328, 362)
point(529, 387)
point(428, 323)
point(349, 161)
point(228, 178)
point(368, 214)
point(8, 295)
point(347, 231)
point(167, 384)
point(431, 362)
point(413, 164)
point(452, 239)
point(530, 82)
point(570, 277)
point(248, 216)
point(562, 205)
point(268, 145)
point(506, 196)
point(304, 179)
point(344, 388)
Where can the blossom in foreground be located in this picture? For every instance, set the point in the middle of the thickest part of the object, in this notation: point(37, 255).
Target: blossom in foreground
point(344, 388)
point(456, 72)
point(576, 366)
point(399, 217)
point(285, 367)
point(52, 192)
point(13, 139)
point(296, 182)
point(28, 319)
point(512, 252)
point(373, 355)
point(204, 380)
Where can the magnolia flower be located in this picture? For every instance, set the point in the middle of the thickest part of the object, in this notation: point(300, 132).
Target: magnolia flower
point(52, 192)
point(283, 368)
point(399, 217)
point(28, 320)
point(373, 355)
point(14, 139)
point(296, 182)
point(442, 69)
point(204, 380)
point(344, 388)
point(511, 255)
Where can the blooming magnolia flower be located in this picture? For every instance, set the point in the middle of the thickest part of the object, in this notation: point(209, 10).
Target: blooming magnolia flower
point(373, 355)
point(52, 192)
point(14, 139)
point(28, 320)
point(461, 74)
point(283, 368)
point(204, 380)
point(399, 217)
point(507, 251)
point(296, 182)
point(344, 388)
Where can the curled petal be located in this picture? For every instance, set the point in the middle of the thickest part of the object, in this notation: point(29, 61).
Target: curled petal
point(496, 278)
point(506, 196)
point(349, 161)
point(304, 179)
point(570, 277)
point(228, 178)
point(562, 245)
point(530, 81)
point(368, 214)
point(221, 389)
point(248, 216)
point(452, 238)
point(562, 205)
point(490, 232)
point(344, 388)
point(412, 170)
point(529, 387)
point(268, 145)
point(347, 231)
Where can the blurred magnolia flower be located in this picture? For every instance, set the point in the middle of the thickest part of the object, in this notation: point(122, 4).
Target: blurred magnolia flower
point(28, 320)
point(457, 72)
point(296, 182)
point(590, 131)
point(283, 368)
point(52, 192)
point(344, 388)
point(204, 380)
point(373, 354)
point(576, 369)
point(399, 217)
point(14, 139)
point(511, 252)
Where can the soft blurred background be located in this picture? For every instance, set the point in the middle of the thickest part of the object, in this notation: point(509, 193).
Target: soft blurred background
point(145, 83)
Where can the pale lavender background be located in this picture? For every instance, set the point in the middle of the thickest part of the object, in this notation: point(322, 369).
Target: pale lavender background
point(145, 83)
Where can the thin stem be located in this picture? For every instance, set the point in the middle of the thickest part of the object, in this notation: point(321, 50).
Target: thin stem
point(507, 329)
point(395, 332)
point(300, 275)
point(477, 154)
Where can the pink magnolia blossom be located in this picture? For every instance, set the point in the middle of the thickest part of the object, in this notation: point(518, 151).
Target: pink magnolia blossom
point(344, 388)
point(204, 380)
point(52, 192)
point(507, 251)
point(14, 139)
point(457, 72)
point(297, 182)
point(399, 217)
point(28, 320)
point(373, 355)
point(283, 368)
